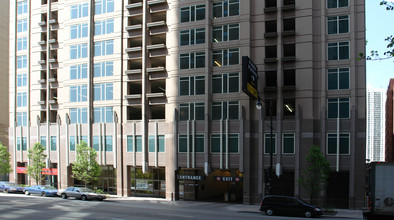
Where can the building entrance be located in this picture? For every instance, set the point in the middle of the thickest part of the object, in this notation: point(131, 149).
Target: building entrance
point(150, 184)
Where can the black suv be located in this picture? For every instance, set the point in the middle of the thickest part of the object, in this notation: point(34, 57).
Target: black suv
point(285, 205)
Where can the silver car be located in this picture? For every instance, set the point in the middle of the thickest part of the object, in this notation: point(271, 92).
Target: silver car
point(81, 193)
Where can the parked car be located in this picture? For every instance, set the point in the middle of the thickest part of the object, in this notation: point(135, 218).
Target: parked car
point(81, 193)
point(41, 190)
point(285, 205)
point(10, 187)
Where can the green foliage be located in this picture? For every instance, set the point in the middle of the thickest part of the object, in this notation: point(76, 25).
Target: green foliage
point(85, 168)
point(316, 173)
point(37, 163)
point(5, 166)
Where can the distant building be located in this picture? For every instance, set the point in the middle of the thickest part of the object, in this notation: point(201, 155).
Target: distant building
point(376, 100)
point(389, 122)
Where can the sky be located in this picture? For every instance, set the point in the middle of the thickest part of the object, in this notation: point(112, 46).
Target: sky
point(379, 25)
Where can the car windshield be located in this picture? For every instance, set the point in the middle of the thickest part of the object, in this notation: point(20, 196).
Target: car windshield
point(86, 190)
point(48, 187)
point(11, 184)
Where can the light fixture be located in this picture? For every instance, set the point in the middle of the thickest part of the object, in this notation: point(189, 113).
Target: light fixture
point(258, 104)
point(217, 63)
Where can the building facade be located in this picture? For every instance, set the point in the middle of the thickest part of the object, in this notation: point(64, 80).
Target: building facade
point(154, 86)
point(389, 147)
point(376, 100)
point(4, 72)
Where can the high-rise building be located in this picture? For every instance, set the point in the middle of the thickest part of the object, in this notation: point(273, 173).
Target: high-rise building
point(376, 100)
point(154, 86)
point(389, 134)
point(4, 60)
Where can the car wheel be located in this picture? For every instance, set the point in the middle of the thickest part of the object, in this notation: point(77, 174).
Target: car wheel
point(27, 193)
point(64, 196)
point(308, 214)
point(6, 191)
point(84, 198)
point(269, 212)
point(43, 194)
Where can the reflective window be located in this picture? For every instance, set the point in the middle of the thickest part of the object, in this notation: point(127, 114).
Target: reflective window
point(21, 99)
point(225, 83)
point(338, 51)
point(225, 33)
point(103, 91)
point(225, 8)
point(21, 119)
point(104, 69)
point(267, 143)
point(337, 3)
point(192, 36)
point(79, 115)
point(288, 143)
point(79, 71)
point(194, 85)
point(104, 27)
point(338, 79)
point(225, 110)
point(78, 51)
point(22, 7)
point(79, 11)
point(22, 43)
point(225, 57)
point(198, 143)
point(338, 24)
point(103, 114)
point(103, 48)
point(218, 145)
point(192, 60)
point(191, 111)
point(79, 93)
point(104, 6)
point(338, 107)
point(21, 62)
point(22, 25)
point(79, 31)
point(21, 80)
point(344, 144)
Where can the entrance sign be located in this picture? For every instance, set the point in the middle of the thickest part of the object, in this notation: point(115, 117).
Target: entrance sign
point(190, 177)
point(249, 77)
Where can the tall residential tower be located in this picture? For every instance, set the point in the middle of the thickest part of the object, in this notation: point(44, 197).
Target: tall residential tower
point(154, 86)
point(376, 100)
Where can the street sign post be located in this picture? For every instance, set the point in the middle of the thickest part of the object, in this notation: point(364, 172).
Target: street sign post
point(249, 77)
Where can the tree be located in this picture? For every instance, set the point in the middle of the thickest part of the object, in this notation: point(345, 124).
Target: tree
point(37, 163)
point(5, 166)
point(85, 167)
point(314, 177)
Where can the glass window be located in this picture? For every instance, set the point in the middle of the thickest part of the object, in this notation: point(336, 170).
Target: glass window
point(198, 143)
point(130, 143)
point(78, 93)
point(104, 6)
point(104, 69)
point(78, 51)
point(225, 8)
point(22, 43)
point(21, 141)
point(267, 143)
point(103, 91)
point(103, 48)
point(338, 24)
point(344, 144)
point(72, 143)
point(194, 85)
point(108, 143)
point(338, 104)
point(104, 27)
point(225, 33)
point(22, 25)
point(53, 143)
point(103, 114)
point(96, 143)
point(79, 11)
point(138, 143)
point(288, 143)
point(225, 83)
point(21, 119)
point(191, 111)
point(43, 141)
point(79, 71)
point(225, 110)
point(152, 143)
point(21, 62)
point(192, 36)
point(22, 7)
point(338, 51)
point(337, 3)
point(338, 79)
point(192, 13)
point(192, 60)
point(79, 31)
point(21, 99)
point(21, 80)
point(79, 115)
point(232, 143)
point(225, 57)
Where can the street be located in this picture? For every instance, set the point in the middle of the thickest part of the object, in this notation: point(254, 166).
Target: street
point(19, 206)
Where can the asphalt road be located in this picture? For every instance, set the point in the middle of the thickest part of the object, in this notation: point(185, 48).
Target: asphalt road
point(40, 208)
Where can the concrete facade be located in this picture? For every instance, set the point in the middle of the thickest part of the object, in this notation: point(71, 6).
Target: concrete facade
point(4, 72)
point(155, 87)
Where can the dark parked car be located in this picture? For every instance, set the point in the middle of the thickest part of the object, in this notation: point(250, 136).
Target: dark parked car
point(285, 205)
point(10, 187)
point(41, 190)
point(81, 193)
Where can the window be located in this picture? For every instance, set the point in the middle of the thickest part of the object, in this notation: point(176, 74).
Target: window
point(270, 78)
point(96, 143)
point(104, 69)
point(225, 33)
point(191, 111)
point(72, 143)
point(79, 115)
point(225, 83)
point(340, 105)
point(289, 77)
point(225, 57)
point(79, 93)
point(338, 51)
point(198, 143)
point(337, 3)
point(79, 11)
point(21, 80)
point(22, 7)
point(338, 79)
point(108, 143)
point(288, 143)
point(194, 85)
point(21, 62)
point(192, 13)
point(130, 143)
point(21, 99)
point(103, 114)
point(53, 143)
point(225, 110)
point(192, 36)
point(104, 6)
point(22, 43)
point(192, 60)
point(138, 143)
point(22, 25)
point(79, 31)
point(79, 71)
point(344, 144)
point(78, 51)
point(43, 141)
point(83, 139)
point(156, 144)
point(104, 27)
point(21, 119)
point(232, 143)
point(103, 92)
point(21, 141)
point(267, 143)
point(338, 24)
point(103, 48)
point(225, 8)
point(288, 107)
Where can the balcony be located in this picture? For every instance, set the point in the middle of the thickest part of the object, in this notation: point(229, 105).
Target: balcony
point(42, 23)
point(42, 102)
point(134, 71)
point(42, 62)
point(156, 46)
point(52, 101)
point(134, 27)
point(134, 5)
point(133, 49)
point(288, 5)
point(156, 24)
point(52, 41)
point(42, 43)
point(155, 69)
point(52, 21)
point(41, 81)
point(155, 2)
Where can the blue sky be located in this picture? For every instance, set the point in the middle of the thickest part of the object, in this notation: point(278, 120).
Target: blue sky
point(379, 24)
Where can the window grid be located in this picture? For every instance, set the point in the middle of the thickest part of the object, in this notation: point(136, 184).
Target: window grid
point(21, 80)
point(104, 69)
point(338, 79)
point(233, 143)
point(225, 83)
point(225, 33)
point(21, 119)
point(104, 27)
point(338, 104)
point(79, 11)
point(338, 24)
point(103, 114)
point(225, 57)
point(267, 143)
point(104, 6)
point(192, 13)
point(192, 60)
point(198, 144)
point(194, 85)
point(22, 43)
point(22, 25)
point(79, 71)
point(191, 111)
point(79, 93)
point(104, 48)
point(337, 3)
point(21, 99)
point(21, 62)
point(344, 144)
point(79, 115)
point(192, 36)
point(103, 91)
point(338, 51)
point(225, 9)
point(22, 7)
point(225, 110)
point(78, 51)
point(79, 31)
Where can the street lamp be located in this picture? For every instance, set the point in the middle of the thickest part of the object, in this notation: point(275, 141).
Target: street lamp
point(259, 106)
